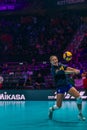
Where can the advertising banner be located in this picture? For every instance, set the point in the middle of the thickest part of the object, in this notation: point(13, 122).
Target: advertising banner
point(33, 95)
point(65, 2)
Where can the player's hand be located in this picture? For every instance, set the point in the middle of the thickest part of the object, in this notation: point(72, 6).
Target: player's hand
point(77, 71)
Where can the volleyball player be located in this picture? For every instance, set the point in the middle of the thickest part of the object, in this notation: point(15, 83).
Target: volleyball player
point(59, 73)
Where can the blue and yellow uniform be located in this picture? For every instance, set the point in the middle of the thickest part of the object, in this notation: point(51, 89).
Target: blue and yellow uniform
point(60, 78)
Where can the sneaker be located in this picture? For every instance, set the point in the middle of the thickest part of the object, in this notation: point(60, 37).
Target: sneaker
point(50, 113)
point(81, 117)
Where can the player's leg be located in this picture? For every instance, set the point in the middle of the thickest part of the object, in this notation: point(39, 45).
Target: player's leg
point(76, 94)
point(57, 105)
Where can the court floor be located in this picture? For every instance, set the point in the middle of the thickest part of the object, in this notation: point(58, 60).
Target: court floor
point(33, 115)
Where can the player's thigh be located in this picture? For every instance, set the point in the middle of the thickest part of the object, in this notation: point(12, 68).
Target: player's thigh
point(74, 92)
point(59, 99)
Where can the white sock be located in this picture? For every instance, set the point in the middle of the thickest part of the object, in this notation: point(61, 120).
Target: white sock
point(55, 107)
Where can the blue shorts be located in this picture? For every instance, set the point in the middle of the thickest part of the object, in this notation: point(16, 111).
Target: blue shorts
point(63, 89)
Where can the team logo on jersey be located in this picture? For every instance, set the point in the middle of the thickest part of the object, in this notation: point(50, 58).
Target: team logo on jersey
point(61, 68)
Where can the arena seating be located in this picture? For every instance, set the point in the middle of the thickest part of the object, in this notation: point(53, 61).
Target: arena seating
point(26, 43)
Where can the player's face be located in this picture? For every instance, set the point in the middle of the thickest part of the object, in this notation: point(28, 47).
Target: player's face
point(54, 61)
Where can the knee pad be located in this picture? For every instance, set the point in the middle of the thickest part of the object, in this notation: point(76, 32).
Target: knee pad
point(79, 100)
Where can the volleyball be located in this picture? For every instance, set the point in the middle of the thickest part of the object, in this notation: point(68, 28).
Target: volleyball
point(67, 55)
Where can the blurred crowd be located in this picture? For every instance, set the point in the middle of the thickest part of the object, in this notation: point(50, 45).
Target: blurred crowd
point(26, 43)
point(23, 38)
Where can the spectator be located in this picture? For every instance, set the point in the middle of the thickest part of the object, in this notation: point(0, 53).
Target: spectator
point(78, 82)
point(39, 82)
point(1, 81)
point(85, 84)
point(28, 83)
point(20, 83)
